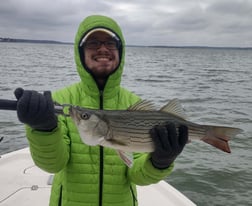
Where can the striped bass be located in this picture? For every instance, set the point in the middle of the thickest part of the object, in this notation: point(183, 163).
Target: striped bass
point(129, 130)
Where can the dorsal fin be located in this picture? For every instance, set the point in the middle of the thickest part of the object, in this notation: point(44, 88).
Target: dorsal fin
point(174, 107)
point(144, 105)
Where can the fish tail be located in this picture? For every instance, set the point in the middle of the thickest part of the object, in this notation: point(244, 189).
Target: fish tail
point(219, 136)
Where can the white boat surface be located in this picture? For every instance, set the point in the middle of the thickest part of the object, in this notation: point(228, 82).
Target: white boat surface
point(24, 184)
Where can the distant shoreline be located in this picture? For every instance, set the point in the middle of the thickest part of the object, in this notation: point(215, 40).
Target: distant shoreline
point(12, 40)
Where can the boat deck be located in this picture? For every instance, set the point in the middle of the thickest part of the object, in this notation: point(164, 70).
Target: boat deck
point(24, 184)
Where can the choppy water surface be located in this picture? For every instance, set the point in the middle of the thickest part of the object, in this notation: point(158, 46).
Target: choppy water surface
point(214, 86)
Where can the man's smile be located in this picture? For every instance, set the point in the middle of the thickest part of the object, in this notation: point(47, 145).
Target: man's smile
point(102, 58)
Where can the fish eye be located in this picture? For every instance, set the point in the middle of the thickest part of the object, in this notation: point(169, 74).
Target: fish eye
point(85, 116)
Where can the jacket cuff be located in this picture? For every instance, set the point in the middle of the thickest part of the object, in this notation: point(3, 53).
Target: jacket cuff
point(156, 172)
point(144, 173)
point(43, 138)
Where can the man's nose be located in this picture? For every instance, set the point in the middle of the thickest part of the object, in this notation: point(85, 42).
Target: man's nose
point(102, 46)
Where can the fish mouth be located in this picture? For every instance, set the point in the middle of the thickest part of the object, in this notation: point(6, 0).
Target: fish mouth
point(71, 112)
point(74, 114)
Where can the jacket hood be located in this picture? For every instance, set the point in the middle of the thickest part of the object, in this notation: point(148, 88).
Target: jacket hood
point(88, 24)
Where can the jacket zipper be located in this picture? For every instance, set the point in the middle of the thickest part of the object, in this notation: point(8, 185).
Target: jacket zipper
point(133, 195)
point(60, 196)
point(101, 160)
point(102, 164)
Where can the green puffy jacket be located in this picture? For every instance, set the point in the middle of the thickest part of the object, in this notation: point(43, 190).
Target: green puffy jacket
point(91, 175)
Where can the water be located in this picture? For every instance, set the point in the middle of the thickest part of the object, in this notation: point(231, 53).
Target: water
point(214, 86)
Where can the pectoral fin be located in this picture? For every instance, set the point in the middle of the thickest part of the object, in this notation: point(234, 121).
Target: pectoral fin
point(127, 157)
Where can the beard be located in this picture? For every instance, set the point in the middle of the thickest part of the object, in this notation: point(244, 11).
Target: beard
point(101, 75)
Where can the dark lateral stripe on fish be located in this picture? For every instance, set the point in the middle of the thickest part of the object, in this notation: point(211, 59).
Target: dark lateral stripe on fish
point(130, 136)
point(196, 131)
point(139, 115)
point(130, 130)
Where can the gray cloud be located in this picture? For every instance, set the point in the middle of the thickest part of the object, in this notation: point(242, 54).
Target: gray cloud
point(163, 22)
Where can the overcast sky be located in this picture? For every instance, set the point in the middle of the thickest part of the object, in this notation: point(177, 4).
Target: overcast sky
point(150, 22)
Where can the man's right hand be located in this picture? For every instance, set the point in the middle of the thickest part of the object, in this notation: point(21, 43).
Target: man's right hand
point(35, 109)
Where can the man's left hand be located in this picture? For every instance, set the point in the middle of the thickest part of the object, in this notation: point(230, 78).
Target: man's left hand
point(168, 144)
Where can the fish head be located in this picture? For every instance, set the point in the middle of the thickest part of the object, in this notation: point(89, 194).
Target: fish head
point(91, 127)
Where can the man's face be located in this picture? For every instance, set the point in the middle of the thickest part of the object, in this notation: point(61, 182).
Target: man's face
point(101, 61)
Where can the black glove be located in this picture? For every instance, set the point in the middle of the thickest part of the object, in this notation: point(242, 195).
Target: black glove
point(168, 144)
point(35, 109)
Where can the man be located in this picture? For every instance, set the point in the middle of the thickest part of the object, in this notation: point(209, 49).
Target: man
point(93, 175)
